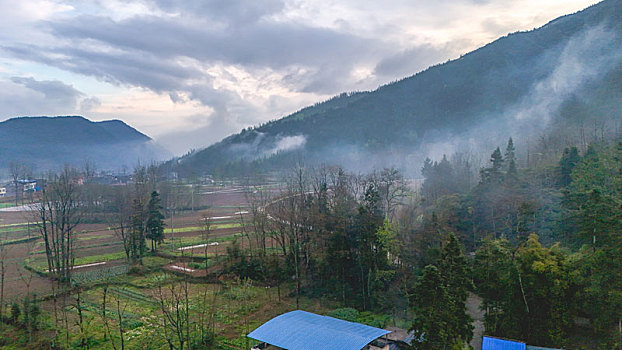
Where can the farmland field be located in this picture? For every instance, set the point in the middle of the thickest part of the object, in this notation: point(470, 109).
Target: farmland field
point(100, 264)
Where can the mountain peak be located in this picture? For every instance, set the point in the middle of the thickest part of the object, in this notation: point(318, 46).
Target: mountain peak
point(47, 142)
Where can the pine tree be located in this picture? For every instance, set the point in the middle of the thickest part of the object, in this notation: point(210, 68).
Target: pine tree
point(155, 221)
point(510, 151)
point(494, 173)
point(567, 163)
point(456, 278)
point(441, 320)
point(431, 324)
point(497, 160)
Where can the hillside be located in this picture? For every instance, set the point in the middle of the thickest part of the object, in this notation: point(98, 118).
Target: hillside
point(49, 142)
point(544, 83)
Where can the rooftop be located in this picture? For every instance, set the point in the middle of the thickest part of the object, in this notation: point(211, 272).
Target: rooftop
point(301, 330)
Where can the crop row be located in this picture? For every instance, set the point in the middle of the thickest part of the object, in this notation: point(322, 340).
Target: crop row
point(132, 295)
point(99, 274)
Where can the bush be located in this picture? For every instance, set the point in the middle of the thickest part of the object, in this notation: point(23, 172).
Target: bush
point(15, 312)
point(345, 313)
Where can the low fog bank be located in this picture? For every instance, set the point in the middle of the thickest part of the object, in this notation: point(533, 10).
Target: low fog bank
point(117, 157)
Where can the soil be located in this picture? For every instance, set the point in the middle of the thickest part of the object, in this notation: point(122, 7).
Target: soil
point(473, 305)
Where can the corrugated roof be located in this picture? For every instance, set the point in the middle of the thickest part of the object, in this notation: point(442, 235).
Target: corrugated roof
point(301, 330)
point(489, 343)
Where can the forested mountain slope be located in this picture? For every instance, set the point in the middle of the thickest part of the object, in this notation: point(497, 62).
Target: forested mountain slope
point(554, 81)
point(49, 142)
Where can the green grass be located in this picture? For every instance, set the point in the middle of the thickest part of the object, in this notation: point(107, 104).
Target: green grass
point(15, 229)
point(106, 244)
point(171, 246)
point(17, 240)
point(21, 224)
point(99, 258)
point(201, 228)
point(189, 241)
point(87, 238)
point(40, 264)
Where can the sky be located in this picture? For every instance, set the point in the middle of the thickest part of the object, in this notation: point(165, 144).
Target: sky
point(190, 72)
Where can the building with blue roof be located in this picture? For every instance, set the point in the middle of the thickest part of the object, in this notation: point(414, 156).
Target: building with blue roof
point(301, 330)
point(490, 343)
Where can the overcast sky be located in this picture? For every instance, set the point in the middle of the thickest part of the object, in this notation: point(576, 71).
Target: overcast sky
point(190, 72)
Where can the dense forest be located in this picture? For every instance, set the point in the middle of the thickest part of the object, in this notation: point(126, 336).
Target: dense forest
point(540, 245)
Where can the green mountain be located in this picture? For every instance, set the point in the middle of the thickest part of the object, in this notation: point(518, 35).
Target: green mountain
point(546, 83)
point(49, 142)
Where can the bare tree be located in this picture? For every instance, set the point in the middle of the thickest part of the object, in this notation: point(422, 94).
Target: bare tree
point(257, 199)
point(392, 189)
point(175, 308)
point(58, 213)
point(121, 218)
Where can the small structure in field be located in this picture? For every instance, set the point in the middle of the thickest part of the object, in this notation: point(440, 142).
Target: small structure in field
point(2, 191)
point(301, 330)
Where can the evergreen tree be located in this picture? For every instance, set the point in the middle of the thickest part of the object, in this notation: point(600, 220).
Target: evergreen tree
point(441, 320)
point(595, 198)
point(497, 160)
point(567, 163)
point(493, 174)
point(432, 320)
point(455, 275)
point(510, 157)
point(155, 221)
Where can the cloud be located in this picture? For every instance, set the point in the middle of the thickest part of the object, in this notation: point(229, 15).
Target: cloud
point(233, 12)
point(89, 104)
point(53, 90)
point(585, 57)
point(28, 97)
point(287, 143)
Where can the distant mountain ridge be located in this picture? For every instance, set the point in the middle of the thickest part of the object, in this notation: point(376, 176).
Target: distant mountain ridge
point(566, 73)
point(51, 142)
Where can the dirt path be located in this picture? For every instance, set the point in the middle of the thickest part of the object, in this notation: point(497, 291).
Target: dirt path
point(473, 304)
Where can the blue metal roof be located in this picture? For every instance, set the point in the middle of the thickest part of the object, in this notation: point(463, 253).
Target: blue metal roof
point(501, 344)
point(301, 330)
